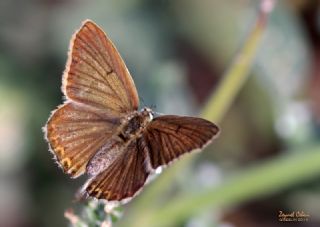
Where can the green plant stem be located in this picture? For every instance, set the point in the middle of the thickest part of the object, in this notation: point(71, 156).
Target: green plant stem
point(233, 80)
point(263, 179)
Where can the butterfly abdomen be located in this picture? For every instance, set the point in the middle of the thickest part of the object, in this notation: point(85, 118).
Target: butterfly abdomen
point(104, 157)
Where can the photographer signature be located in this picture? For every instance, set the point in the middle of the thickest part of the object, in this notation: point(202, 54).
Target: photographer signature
point(293, 216)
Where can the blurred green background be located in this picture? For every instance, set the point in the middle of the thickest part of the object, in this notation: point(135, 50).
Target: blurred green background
point(176, 51)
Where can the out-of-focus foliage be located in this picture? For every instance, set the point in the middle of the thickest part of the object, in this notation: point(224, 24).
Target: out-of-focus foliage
point(176, 52)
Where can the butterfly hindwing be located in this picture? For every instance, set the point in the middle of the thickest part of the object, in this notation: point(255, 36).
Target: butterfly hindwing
point(75, 133)
point(170, 136)
point(124, 177)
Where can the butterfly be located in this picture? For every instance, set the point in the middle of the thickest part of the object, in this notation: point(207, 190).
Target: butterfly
point(99, 130)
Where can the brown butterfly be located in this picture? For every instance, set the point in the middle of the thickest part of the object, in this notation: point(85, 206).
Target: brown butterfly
point(99, 130)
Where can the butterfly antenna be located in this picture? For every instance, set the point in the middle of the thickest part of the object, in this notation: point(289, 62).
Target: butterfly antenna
point(153, 106)
point(142, 101)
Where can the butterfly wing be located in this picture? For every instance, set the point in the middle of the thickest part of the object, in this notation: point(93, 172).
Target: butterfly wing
point(99, 91)
point(170, 136)
point(75, 132)
point(123, 178)
point(95, 73)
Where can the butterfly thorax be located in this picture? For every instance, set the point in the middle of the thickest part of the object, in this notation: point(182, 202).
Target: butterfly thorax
point(134, 124)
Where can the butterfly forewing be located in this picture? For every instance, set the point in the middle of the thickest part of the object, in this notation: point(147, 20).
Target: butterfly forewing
point(96, 75)
point(170, 136)
point(124, 177)
point(75, 132)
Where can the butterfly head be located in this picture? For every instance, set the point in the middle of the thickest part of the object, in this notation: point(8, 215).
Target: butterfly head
point(147, 113)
